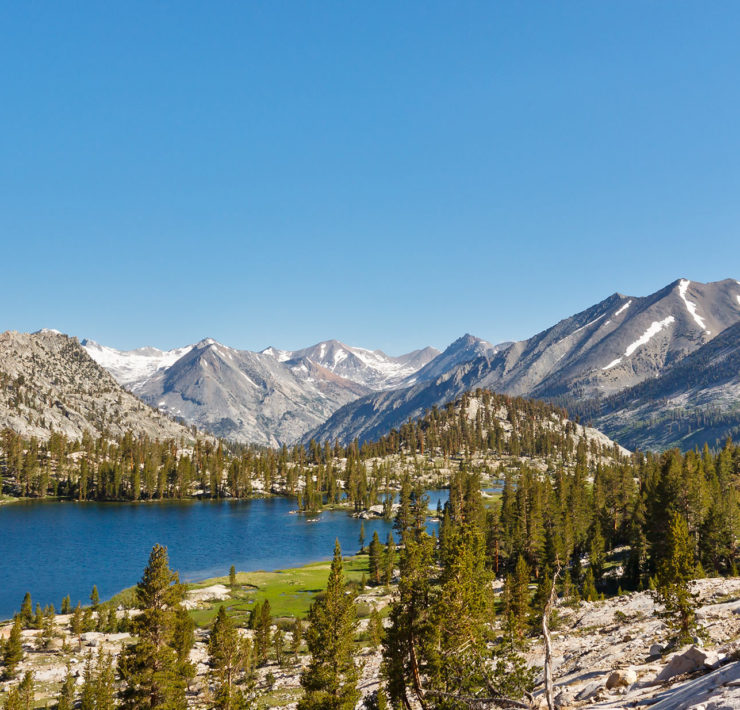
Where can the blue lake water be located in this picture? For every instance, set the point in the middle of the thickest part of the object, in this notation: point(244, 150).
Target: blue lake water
point(56, 548)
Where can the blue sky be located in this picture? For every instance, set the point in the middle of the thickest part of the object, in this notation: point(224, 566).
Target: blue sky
point(388, 174)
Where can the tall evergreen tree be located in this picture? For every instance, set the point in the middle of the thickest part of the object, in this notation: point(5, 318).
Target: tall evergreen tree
point(13, 649)
point(330, 680)
point(95, 597)
point(152, 668)
point(263, 634)
point(374, 558)
point(411, 623)
point(463, 616)
point(675, 572)
point(66, 699)
point(27, 611)
point(227, 654)
point(22, 696)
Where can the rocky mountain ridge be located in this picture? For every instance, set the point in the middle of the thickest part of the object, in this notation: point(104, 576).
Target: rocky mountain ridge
point(586, 363)
point(371, 368)
point(271, 397)
point(246, 396)
point(606, 349)
point(48, 383)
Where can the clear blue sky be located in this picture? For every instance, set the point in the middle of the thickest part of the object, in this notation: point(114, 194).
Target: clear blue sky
point(392, 174)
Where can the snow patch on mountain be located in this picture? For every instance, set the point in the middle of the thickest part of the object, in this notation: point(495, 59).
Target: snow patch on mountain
point(613, 363)
point(654, 328)
point(369, 368)
point(623, 308)
point(683, 286)
point(130, 367)
point(279, 355)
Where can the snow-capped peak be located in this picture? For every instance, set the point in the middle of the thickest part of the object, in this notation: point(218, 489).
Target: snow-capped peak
point(279, 355)
point(371, 368)
point(132, 366)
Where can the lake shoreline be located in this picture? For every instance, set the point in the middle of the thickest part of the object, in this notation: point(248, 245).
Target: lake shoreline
point(53, 550)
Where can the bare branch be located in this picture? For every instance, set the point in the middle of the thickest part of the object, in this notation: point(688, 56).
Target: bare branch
point(548, 641)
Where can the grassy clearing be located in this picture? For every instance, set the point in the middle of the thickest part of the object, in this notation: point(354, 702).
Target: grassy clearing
point(289, 591)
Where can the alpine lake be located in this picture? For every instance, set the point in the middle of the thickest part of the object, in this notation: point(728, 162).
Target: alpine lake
point(55, 548)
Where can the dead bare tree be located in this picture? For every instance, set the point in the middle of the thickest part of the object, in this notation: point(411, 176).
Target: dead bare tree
point(548, 641)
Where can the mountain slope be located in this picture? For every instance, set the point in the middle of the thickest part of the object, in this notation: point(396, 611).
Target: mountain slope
point(247, 396)
point(371, 368)
point(464, 349)
point(618, 342)
point(695, 401)
point(600, 351)
point(49, 382)
point(269, 398)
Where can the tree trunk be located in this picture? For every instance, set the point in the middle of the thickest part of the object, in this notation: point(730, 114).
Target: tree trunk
point(548, 642)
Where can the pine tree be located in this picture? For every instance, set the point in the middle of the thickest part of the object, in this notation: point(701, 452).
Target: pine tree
point(517, 600)
point(66, 605)
point(462, 615)
point(105, 690)
point(263, 634)
point(596, 551)
point(22, 696)
point(297, 637)
point(227, 654)
point(13, 649)
point(588, 592)
point(88, 623)
point(374, 558)
point(410, 623)
point(675, 572)
point(232, 577)
point(376, 629)
point(48, 627)
point(87, 693)
point(76, 624)
point(278, 645)
point(38, 617)
point(27, 611)
point(152, 667)
point(95, 597)
point(330, 680)
point(66, 699)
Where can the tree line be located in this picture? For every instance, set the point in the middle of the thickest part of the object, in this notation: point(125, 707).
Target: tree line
point(132, 468)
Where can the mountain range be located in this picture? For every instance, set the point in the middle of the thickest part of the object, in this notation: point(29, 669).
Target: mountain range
point(271, 397)
point(651, 372)
point(604, 350)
